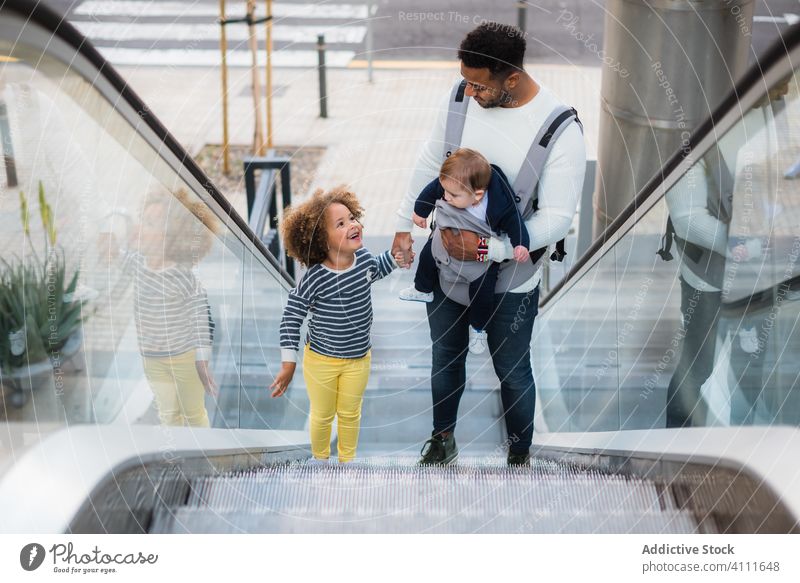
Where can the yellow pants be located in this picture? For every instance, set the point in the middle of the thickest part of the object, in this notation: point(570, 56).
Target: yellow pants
point(335, 388)
point(179, 392)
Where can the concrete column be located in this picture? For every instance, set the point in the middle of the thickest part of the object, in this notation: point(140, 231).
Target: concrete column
point(666, 65)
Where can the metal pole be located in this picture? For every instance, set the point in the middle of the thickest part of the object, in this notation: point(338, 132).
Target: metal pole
point(323, 92)
point(658, 85)
point(268, 96)
point(522, 15)
point(369, 39)
point(8, 147)
point(258, 137)
point(223, 46)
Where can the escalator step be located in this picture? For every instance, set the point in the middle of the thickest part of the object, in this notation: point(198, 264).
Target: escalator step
point(393, 495)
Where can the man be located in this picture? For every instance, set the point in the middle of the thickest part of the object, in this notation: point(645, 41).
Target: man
point(701, 209)
point(507, 110)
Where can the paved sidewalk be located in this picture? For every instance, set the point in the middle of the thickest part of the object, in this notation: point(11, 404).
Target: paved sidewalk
point(373, 131)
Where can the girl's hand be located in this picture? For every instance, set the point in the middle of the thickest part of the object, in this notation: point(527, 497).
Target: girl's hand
point(521, 253)
point(419, 221)
point(400, 259)
point(209, 384)
point(282, 380)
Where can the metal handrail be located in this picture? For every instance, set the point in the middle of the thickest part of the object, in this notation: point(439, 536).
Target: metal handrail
point(262, 203)
point(104, 73)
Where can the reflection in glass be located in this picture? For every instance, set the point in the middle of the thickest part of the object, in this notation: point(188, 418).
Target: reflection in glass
point(158, 294)
point(174, 326)
point(575, 357)
point(706, 325)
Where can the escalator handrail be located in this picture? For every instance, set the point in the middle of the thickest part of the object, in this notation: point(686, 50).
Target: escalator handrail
point(58, 26)
point(778, 52)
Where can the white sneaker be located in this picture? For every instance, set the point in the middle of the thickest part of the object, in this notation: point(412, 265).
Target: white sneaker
point(315, 461)
point(748, 340)
point(477, 341)
point(793, 171)
point(412, 294)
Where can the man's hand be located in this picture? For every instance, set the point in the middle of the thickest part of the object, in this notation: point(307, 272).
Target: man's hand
point(739, 253)
point(419, 221)
point(461, 245)
point(402, 244)
point(282, 380)
point(521, 254)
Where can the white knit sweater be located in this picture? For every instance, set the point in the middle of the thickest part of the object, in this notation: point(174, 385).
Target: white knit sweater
point(504, 135)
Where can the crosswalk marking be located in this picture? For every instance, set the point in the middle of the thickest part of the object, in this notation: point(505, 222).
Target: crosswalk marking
point(154, 32)
point(185, 9)
point(171, 31)
point(211, 58)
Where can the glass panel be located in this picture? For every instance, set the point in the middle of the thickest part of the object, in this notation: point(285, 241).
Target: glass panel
point(710, 335)
point(736, 267)
point(260, 358)
point(650, 332)
point(120, 291)
point(575, 355)
point(758, 321)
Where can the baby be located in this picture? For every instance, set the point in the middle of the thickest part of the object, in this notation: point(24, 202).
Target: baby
point(468, 182)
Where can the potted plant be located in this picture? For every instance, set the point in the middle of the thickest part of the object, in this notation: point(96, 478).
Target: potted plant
point(40, 312)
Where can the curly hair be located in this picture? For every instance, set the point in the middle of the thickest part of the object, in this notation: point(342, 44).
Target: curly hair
point(303, 229)
point(494, 46)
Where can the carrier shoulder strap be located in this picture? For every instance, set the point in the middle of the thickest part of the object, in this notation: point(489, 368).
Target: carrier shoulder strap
point(456, 117)
point(526, 185)
point(719, 200)
point(666, 242)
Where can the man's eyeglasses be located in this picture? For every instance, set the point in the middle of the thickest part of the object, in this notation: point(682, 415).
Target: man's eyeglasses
point(478, 88)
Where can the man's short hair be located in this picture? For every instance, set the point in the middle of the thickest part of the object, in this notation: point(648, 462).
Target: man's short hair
point(494, 46)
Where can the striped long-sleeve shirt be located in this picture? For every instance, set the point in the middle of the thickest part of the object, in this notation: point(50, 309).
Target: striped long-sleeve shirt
point(340, 303)
point(171, 310)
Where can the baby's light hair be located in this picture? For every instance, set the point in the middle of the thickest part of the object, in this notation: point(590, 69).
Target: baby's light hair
point(468, 168)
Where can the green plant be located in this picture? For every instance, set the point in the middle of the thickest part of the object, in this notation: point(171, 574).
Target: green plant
point(38, 309)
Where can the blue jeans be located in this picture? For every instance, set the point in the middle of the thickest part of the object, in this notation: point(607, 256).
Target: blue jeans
point(509, 335)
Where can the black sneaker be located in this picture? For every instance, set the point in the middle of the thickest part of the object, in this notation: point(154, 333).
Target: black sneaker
point(439, 451)
point(519, 459)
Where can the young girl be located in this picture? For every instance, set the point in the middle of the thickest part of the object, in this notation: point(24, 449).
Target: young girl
point(324, 234)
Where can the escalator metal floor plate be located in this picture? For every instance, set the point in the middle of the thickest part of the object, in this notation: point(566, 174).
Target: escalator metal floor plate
point(391, 495)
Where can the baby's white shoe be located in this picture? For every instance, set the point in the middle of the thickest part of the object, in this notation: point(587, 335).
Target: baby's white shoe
point(792, 171)
point(412, 294)
point(477, 341)
point(748, 340)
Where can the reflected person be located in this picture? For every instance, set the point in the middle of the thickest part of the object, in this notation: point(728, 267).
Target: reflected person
point(173, 318)
point(700, 209)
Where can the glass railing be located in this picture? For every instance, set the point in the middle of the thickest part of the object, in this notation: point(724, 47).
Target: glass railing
point(688, 313)
point(130, 292)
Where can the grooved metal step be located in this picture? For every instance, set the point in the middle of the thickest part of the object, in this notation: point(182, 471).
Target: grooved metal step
point(388, 495)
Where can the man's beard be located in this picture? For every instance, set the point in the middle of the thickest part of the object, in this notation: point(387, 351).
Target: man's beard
point(503, 99)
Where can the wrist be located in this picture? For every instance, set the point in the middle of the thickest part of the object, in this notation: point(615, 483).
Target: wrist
point(500, 249)
point(403, 224)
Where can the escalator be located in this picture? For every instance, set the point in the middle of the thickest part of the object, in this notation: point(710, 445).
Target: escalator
point(607, 345)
